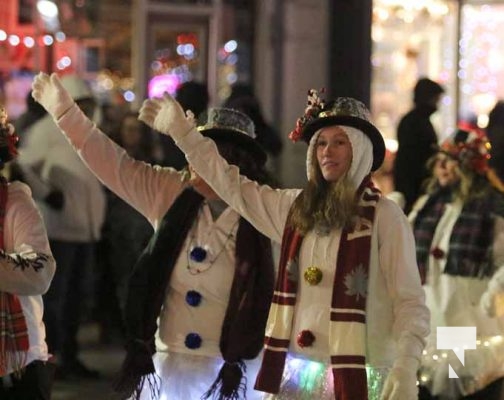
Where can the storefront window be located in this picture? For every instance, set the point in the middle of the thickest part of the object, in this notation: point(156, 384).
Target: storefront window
point(412, 39)
point(235, 53)
point(179, 55)
point(481, 66)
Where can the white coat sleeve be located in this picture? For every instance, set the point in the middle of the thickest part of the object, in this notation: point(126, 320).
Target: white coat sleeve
point(149, 189)
point(26, 265)
point(264, 207)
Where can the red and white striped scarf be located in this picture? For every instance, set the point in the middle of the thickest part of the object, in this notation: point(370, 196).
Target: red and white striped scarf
point(348, 308)
point(13, 329)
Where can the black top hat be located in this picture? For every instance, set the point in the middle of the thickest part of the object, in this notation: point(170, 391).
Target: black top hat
point(344, 111)
point(226, 124)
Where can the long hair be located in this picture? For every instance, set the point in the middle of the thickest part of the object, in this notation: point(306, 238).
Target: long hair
point(325, 205)
point(470, 185)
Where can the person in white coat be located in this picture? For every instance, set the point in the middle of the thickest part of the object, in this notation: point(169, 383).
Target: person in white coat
point(459, 231)
point(206, 275)
point(26, 270)
point(72, 202)
point(348, 318)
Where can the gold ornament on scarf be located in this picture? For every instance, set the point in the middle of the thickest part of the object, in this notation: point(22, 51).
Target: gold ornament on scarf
point(313, 275)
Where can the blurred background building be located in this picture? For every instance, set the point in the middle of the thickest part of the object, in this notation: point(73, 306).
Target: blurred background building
point(373, 50)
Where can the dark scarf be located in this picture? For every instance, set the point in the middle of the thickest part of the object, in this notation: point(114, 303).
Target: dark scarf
point(469, 251)
point(244, 322)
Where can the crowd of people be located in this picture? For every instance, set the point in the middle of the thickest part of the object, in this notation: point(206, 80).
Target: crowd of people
point(226, 285)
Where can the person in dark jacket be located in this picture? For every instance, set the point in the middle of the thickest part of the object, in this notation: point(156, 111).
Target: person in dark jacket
point(495, 133)
point(242, 98)
point(417, 141)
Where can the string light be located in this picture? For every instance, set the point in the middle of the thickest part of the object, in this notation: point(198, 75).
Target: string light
point(480, 364)
point(30, 41)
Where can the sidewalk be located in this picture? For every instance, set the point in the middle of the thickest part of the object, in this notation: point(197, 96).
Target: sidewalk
point(104, 358)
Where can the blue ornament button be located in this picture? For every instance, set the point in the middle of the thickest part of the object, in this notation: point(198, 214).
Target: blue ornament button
point(193, 341)
point(193, 298)
point(198, 254)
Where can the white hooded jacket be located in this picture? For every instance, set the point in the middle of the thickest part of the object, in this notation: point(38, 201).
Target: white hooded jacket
point(49, 162)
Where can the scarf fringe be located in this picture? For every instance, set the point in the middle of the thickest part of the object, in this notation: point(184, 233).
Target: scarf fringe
point(13, 335)
point(230, 384)
point(137, 369)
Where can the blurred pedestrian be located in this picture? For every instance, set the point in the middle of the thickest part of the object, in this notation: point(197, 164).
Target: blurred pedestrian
point(72, 202)
point(125, 234)
point(417, 141)
point(459, 231)
point(34, 111)
point(242, 98)
point(495, 133)
point(26, 270)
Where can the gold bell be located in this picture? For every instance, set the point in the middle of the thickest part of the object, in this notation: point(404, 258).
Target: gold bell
point(313, 275)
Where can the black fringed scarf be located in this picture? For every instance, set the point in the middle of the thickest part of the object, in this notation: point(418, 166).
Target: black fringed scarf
point(242, 332)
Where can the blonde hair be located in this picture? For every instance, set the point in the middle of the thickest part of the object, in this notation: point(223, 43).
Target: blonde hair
point(324, 205)
point(470, 185)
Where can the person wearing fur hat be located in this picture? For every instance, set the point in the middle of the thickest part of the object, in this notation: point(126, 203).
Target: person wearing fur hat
point(72, 202)
point(26, 270)
point(348, 317)
point(207, 274)
point(459, 230)
point(417, 141)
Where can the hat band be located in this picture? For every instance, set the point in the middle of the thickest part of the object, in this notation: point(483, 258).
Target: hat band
point(228, 128)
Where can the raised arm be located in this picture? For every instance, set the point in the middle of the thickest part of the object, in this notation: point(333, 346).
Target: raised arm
point(148, 189)
point(262, 206)
point(26, 265)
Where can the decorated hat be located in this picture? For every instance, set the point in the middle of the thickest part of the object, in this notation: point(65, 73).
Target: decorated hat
point(8, 138)
point(470, 148)
point(226, 124)
point(344, 111)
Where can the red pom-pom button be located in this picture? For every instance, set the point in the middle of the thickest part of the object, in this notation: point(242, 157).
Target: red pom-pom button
point(437, 253)
point(305, 338)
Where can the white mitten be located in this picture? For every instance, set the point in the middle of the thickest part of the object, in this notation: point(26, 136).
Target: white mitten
point(166, 115)
point(51, 94)
point(401, 382)
point(491, 301)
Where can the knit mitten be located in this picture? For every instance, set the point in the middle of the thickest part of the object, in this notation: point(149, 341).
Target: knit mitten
point(401, 382)
point(167, 116)
point(51, 94)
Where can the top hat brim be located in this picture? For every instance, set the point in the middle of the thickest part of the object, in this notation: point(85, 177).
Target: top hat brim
point(346, 120)
point(240, 139)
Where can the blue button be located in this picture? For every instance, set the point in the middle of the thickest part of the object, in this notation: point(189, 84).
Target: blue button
point(198, 254)
point(193, 298)
point(193, 341)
